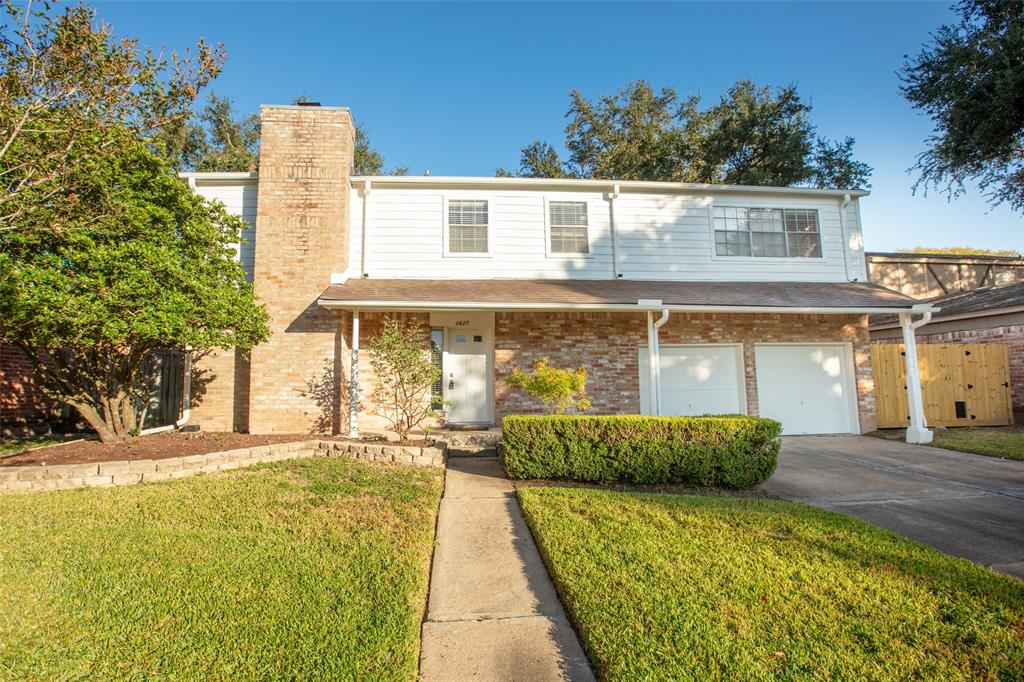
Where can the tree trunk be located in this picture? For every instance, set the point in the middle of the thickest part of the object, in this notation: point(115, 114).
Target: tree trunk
point(97, 422)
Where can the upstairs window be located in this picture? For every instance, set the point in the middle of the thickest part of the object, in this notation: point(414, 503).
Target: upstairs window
point(567, 221)
point(767, 232)
point(467, 226)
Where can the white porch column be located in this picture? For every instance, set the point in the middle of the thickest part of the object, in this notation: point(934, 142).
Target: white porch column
point(917, 432)
point(353, 380)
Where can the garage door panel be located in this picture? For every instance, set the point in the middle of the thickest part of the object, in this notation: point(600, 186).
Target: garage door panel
point(695, 380)
point(806, 387)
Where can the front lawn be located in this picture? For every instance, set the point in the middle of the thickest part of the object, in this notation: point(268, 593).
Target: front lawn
point(994, 441)
point(305, 569)
point(695, 588)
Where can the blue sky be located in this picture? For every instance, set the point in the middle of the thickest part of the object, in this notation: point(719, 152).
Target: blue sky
point(458, 88)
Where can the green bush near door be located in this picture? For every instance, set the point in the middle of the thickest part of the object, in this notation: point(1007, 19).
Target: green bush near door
point(729, 451)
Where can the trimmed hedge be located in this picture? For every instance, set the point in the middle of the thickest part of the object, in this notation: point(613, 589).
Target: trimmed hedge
point(730, 451)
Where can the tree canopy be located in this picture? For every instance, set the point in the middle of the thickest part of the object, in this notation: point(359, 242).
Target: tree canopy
point(751, 136)
point(970, 80)
point(70, 89)
point(144, 263)
point(962, 251)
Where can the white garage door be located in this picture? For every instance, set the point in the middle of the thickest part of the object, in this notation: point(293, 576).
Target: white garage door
point(695, 380)
point(807, 388)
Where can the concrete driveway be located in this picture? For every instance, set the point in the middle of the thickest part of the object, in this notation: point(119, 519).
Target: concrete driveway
point(965, 505)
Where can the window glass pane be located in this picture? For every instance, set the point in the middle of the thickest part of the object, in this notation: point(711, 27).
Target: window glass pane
point(801, 220)
point(732, 243)
point(804, 245)
point(765, 220)
point(467, 226)
point(568, 225)
point(768, 244)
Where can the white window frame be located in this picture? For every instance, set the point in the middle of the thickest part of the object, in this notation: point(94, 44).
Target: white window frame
point(445, 232)
point(764, 259)
point(547, 229)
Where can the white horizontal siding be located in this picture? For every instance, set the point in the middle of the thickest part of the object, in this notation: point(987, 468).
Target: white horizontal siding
point(660, 237)
point(239, 199)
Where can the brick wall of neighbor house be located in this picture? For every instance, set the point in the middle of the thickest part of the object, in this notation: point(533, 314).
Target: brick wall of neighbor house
point(21, 403)
point(1010, 335)
point(302, 228)
point(606, 344)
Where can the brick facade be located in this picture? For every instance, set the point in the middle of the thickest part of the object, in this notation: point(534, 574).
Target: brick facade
point(606, 344)
point(1009, 335)
point(220, 391)
point(21, 403)
point(302, 237)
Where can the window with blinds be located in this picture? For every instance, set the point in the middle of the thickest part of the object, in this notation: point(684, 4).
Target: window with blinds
point(467, 226)
point(767, 232)
point(567, 222)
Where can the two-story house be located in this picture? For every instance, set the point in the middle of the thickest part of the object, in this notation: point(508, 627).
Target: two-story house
point(679, 299)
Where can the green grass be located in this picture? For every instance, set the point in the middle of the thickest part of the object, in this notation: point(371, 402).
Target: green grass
point(309, 569)
point(995, 441)
point(9, 447)
point(699, 588)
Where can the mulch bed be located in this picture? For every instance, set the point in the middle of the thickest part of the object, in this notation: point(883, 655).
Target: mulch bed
point(154, 446)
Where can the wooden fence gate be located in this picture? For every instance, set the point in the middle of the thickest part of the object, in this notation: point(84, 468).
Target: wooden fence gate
point(961, 384)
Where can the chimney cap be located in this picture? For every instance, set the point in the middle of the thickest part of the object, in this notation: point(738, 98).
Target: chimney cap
point(307, 103)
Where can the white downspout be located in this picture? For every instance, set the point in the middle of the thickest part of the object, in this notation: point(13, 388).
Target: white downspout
point(654, 361)
point(353, 380)
point(186, 390)
point(918, 431)
point(846, 238)
point(367, 187)
point(612, 196)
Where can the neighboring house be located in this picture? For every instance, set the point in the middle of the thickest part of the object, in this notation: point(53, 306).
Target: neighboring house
point(985, 315)
point(677, 298)
point(930, 275)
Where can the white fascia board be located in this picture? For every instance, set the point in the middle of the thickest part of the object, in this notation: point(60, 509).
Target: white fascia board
point(956, 318)
point(220, 176)
point(597, 185)
point(593, 307)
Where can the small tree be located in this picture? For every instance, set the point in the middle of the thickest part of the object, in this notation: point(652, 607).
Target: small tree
point(401, 363)
point(142, 263)
point(559, 389)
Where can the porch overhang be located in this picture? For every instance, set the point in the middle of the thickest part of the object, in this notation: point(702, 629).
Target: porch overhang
point(627, 296)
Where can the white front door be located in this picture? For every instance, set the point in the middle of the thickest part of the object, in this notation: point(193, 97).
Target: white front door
point(697, 380)
point(466, 373)
point(809, 388)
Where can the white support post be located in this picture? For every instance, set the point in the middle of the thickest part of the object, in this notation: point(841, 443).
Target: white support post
point(917, 432)
point(353, 380)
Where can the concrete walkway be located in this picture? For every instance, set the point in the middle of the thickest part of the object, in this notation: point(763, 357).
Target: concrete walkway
point(965, 505)
point(493, 612)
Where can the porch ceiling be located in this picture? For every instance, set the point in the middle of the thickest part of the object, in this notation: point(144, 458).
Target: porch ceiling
point(625, 295)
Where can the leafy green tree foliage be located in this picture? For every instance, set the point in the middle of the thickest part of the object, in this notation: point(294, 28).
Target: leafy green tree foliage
point(752, 135)
point(970, 81)
point(559, 389)
point(214, 140)
point(404, 372)
point(143, 263)
point(68, 90)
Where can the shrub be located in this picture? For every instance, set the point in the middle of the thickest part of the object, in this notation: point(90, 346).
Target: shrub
point(731, 451)
point(559, 389)
point(401, 363)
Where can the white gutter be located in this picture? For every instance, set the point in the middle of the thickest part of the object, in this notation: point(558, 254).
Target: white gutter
point(654, 358)
point(598, 185)
point(219, 176)
point(612, 196)
point(964, 316)
point(918, 431)
point(595, 307)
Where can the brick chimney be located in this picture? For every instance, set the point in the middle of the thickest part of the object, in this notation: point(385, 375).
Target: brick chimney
point(302, 223)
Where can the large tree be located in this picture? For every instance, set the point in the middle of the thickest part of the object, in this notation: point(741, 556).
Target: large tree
point(143, 263)
point(68, 89)
point(970, 80)
point(752, 135)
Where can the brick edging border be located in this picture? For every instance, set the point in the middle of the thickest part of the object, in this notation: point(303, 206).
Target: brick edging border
point(131, 472)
